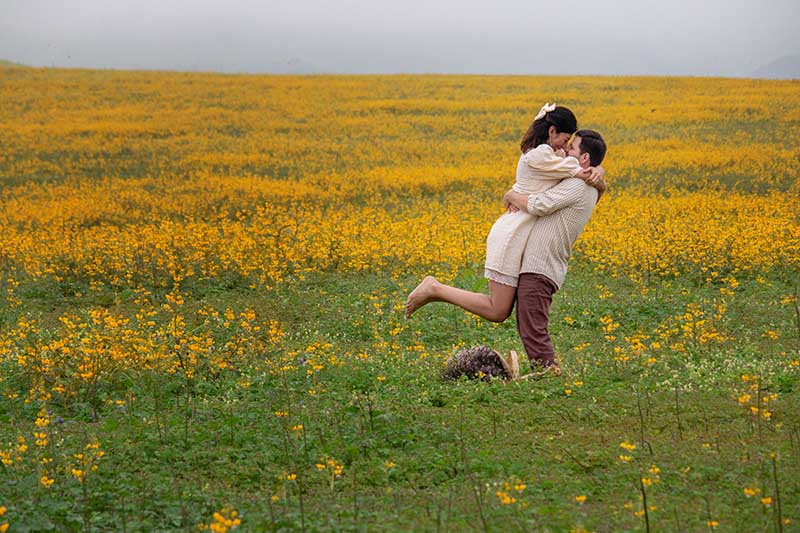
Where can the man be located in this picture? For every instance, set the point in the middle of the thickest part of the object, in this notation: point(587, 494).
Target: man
point(563, 210)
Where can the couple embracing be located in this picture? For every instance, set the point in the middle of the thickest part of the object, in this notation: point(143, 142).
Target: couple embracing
point(559, 181)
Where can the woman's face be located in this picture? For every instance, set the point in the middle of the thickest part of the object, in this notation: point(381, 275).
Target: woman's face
point(557, 140)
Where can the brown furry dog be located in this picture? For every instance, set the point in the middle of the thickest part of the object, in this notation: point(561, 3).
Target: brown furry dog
point(481, 362)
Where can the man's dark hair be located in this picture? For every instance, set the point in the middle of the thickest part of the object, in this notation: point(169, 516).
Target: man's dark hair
point(561, 117)
point(592, 143)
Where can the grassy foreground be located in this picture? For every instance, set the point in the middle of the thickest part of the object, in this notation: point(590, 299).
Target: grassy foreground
point(374, 440)
point(202, 287)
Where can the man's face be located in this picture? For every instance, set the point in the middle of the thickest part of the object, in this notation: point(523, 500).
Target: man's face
point(574, 149)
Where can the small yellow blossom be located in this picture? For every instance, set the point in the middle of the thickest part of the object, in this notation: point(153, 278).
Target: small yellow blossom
point(744, 398)
point(225, 520)
point(748, 491)
point(505, 498)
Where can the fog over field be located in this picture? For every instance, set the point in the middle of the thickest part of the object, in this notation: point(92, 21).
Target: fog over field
point(710, 38)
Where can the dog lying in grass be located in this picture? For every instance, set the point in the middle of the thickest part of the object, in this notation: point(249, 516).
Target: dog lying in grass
point(483, 363)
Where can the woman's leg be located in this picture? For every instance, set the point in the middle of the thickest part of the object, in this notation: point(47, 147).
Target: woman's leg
point(495, 306)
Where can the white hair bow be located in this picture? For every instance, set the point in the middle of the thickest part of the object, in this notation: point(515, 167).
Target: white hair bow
point(546, 108)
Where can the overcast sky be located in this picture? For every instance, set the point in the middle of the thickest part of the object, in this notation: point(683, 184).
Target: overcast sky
point(686, 37)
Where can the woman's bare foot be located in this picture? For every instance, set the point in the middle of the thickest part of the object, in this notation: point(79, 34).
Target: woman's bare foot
point(425, 293)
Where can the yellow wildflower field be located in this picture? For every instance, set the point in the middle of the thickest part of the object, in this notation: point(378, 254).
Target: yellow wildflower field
point(202, 283)
point(122, 178)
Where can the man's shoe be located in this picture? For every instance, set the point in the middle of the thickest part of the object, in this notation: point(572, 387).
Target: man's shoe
point(548, 371)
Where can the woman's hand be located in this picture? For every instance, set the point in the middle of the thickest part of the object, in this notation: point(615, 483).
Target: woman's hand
point(507, 203)
point(515, 201)
point(595, 178)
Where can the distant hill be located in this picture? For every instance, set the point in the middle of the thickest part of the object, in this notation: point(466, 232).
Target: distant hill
point(787, 67)
point(5, 63)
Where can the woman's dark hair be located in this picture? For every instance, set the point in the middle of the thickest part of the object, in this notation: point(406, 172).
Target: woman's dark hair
point(592, 143)
point(561, 118)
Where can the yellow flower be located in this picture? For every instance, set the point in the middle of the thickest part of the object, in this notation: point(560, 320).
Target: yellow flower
point(46, 481)
point(627, 445)
point(291, 477)
point(744, 398)
point(766, 500)
point(625, 458)
point(580, 499)
point(43, 420)
point(505, 498)
point(748, 491)
point(224, 520)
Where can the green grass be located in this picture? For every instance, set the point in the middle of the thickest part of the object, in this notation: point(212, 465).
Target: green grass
point(176, 453)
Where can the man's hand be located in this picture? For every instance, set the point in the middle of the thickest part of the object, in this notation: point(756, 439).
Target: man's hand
point(515, 201)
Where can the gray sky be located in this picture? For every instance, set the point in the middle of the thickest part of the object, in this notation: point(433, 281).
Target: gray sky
point(686, 37)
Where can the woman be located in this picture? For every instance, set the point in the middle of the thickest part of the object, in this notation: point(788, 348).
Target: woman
point(541, 166)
